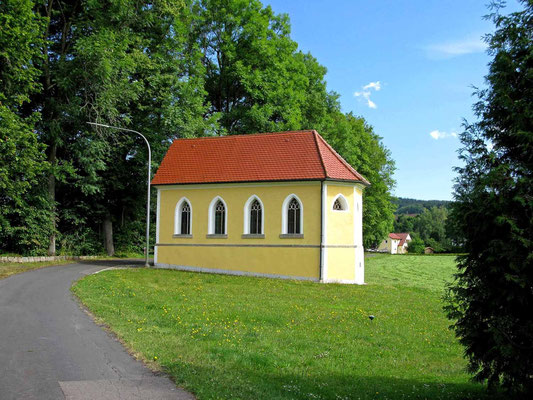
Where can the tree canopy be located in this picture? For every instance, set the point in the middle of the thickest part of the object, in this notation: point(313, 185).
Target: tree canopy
point(23, 209)
point(167, 68)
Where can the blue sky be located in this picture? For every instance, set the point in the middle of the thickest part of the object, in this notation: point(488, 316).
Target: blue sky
point(408, 68)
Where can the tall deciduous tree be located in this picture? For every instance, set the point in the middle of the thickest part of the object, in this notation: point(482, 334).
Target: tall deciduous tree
point(257, 81)
point(21, 159)
point(490, 303)
point(168, 68)
point(123, 63)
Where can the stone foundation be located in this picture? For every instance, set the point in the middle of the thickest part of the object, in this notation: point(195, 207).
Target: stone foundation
point(43, 258)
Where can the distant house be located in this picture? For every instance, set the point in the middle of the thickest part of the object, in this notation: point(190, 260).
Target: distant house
point(429, 250)
point(395, 243)
point(280, 205)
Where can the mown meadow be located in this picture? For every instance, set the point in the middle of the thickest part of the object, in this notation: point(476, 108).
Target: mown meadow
point(227, 337)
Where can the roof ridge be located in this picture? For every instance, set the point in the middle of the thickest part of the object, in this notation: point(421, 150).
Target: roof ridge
point(315, 134)
point(246, 135)
point(344, 162)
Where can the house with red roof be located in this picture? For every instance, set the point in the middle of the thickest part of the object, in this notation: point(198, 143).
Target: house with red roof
point(282, 205)
point(395, 243)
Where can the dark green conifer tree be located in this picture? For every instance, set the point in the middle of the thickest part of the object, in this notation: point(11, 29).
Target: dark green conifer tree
point(490, 302)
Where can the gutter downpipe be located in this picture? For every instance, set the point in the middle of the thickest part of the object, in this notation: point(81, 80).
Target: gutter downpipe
point(321, 231)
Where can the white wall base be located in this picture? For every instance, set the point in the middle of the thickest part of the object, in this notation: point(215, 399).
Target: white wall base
point(360, 265)
point(257, 274)
point(343, 281)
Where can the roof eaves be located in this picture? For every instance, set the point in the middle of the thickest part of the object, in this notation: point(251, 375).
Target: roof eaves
point(317, 179)
point(354, 181)
point(364, 181)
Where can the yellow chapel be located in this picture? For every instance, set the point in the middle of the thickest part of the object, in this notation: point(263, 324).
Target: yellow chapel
point(280, 205)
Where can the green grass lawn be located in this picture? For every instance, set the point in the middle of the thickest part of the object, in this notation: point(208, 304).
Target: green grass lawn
point(8, 269)
point(227, 337)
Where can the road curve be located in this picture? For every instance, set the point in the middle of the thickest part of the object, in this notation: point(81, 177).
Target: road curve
point(51, 349)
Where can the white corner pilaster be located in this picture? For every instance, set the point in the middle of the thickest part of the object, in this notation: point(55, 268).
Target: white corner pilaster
point(324, 239)
point(157, 224)
point(358, 237)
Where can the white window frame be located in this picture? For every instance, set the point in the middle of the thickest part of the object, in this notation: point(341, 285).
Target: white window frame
point(177, 216)
point(247, 206)
point(284, 212)
point(343, 201)
point(211, 216)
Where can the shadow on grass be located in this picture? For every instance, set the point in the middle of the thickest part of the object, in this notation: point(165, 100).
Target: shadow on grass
point(253, 383)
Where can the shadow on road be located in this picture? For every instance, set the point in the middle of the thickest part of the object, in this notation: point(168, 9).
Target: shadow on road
point(121, 262)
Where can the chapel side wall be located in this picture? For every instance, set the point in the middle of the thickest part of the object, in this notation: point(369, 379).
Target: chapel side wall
point(339, 261)
point(344, 251)
point(270, 256)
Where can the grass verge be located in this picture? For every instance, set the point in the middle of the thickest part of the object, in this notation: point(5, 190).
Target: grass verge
point(228, 337)
point(8, 269)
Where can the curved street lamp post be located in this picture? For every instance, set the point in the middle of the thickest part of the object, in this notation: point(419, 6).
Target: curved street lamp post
point(147, 251)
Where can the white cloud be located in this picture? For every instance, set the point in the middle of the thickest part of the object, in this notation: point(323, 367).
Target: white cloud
point(366, 92)
point(373, 85)
point(436, 134)
point(457, 48)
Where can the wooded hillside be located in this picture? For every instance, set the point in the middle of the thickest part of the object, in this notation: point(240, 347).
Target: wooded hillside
point(406, 205)
point(427, 222)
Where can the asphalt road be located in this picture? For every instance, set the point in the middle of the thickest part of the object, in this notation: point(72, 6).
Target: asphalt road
point(51, 349)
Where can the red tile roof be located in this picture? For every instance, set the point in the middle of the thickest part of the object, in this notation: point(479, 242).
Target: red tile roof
point(399, 236)
point(282, 156)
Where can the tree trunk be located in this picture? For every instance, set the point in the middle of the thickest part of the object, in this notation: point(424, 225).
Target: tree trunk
point(52, 156)
point(52, 197)
point(108, 233)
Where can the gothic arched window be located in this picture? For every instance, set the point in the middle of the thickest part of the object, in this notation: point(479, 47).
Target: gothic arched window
point(220, 218)
point(294, 217)
point(185, 219)
point(256, 217)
